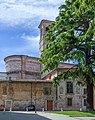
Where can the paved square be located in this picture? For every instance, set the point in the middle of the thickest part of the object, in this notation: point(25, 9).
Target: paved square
point(21, 115)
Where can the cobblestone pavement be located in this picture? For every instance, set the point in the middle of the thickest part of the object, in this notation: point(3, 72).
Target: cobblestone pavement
point(19, 115)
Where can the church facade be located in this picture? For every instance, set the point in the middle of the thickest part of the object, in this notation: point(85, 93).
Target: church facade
point(25, 85)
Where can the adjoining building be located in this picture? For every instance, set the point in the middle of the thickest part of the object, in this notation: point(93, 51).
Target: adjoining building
point(25, 85)
point(22, 67)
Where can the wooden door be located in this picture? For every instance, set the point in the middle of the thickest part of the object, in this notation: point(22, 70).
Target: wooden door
point(49, 105)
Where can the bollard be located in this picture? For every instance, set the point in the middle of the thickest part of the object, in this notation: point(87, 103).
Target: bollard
point(27, 109)
point(10, 109)
point(80, 109)
point(61, 109)
point(43, 109)
point(4, 109)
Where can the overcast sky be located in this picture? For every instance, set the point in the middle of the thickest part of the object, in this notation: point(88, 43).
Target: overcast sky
point(19, 20)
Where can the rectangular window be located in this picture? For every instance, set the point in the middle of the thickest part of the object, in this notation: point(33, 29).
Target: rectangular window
point(69, 87)
point(69, 101)
point(84, 102)
point(85, 91)
point(47, 90)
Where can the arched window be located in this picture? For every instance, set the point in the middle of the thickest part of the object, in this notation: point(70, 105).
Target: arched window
point(61, 90)
point(47, 29)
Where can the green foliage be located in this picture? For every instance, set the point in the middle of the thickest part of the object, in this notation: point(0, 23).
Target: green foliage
point(76, 113)
point(72, 37)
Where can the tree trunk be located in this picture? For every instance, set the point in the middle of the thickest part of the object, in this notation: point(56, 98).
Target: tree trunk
point(89, 95)
point(89, 81)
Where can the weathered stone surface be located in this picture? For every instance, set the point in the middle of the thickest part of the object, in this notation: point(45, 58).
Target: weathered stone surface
point(22, 94)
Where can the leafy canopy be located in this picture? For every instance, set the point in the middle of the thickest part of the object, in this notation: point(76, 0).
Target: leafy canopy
point(72, 37)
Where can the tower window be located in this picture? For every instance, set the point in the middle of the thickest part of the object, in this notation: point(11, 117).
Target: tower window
point(47, 29)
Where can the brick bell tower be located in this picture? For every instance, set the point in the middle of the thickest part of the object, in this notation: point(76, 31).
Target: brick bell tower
point(43, 29)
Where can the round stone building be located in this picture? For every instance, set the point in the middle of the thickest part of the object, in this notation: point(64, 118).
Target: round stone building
point(22, 67)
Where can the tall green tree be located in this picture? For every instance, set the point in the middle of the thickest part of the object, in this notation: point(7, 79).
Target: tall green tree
point(72, 37)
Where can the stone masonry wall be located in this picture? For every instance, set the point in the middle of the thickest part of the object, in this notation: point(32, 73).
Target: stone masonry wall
point(21, 94)
point(63, 95)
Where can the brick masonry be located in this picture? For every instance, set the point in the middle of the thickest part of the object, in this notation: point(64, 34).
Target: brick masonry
point(22, 67)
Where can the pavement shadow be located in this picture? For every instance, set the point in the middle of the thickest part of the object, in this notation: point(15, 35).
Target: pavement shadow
point(20, 116)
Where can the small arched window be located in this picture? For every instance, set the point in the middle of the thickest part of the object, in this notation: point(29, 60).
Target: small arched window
point(61, 90)
point(47, 29)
